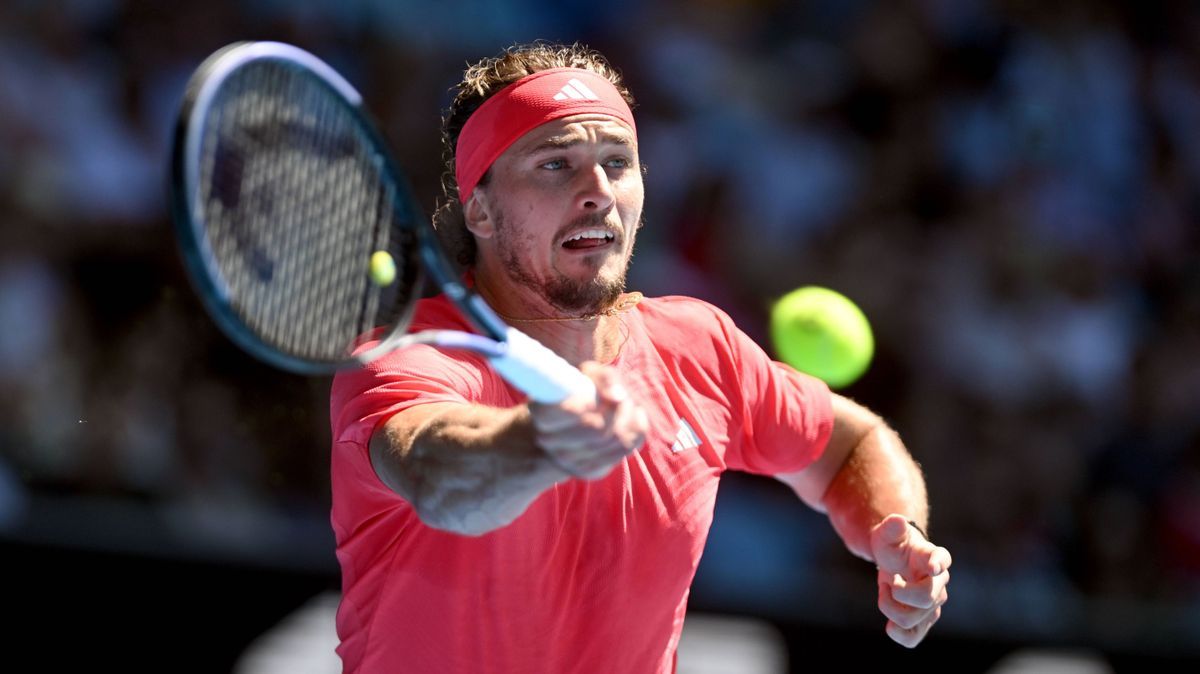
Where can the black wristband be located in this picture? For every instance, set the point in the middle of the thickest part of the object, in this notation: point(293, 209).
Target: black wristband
point(919, 529)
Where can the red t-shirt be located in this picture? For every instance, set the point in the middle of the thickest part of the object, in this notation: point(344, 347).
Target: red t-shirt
point(594, 576)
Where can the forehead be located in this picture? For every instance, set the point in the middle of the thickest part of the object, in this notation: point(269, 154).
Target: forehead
point(573, 130)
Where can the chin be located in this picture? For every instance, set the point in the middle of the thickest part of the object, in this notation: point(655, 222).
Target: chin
point(585, 295)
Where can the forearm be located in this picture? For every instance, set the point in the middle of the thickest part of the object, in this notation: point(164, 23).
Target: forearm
point(464, 468)
point(868, 484)
point(878, 478)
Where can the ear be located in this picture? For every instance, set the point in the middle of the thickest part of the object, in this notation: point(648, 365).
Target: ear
point(477, 215)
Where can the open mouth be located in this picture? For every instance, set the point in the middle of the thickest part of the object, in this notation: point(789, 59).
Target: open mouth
point(589, 238)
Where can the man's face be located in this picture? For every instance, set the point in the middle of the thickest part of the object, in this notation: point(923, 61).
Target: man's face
point(564, 203)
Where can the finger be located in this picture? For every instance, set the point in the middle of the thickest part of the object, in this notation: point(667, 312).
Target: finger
point(939, 561)
point(577, 448)
point(607, 381)
point(641, 426)
point(920, 563)
point(586, 429)
point(911, 636)
point(579, 466)
point(626, 425)
point(926, 559)
point(595, 415)
point(923, 594)
point(614, 393)
point(589, 467)
point(903, 615)
point(596, 371)
point(630, 426)
point(549, 419)
point(596, 419)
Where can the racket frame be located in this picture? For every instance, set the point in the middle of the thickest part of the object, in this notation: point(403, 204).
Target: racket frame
point(538, 371)
point(198, 256)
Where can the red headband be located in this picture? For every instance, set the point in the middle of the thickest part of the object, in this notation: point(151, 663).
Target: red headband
point(524, 105)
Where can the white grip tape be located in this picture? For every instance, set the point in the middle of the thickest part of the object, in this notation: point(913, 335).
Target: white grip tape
point(539, 372)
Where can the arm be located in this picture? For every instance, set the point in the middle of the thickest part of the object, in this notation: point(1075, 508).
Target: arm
point(471, 469)
point(870, 487)
point(864, 475)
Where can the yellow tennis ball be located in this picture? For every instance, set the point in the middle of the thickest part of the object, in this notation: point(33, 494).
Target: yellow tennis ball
point(383, 268)
point(821, 332)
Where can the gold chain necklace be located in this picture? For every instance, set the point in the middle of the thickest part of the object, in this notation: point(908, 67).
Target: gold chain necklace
point(625, 302)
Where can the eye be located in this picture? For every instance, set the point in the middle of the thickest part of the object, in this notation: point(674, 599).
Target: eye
point(554, 164)
point(618, 162)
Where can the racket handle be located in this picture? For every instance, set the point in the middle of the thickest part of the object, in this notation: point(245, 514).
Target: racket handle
point(542, 374)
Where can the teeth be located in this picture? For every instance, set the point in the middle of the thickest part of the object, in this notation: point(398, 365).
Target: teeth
point(591, 234)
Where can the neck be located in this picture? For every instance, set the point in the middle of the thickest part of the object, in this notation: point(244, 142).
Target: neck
point(595, 336)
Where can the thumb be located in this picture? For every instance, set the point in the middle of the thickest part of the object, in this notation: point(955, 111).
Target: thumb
point(609, 388)
point(890, 543)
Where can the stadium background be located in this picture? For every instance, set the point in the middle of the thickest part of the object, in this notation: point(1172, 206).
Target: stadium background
point(1010, 190)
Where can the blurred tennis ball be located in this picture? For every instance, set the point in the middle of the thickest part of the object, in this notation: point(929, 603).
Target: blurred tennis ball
point(383, 268)
point(821, 332)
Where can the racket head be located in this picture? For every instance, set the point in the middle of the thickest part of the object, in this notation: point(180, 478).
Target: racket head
point(282, 190)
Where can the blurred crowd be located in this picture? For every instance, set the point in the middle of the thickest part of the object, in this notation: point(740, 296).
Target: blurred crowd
point(1009, 190)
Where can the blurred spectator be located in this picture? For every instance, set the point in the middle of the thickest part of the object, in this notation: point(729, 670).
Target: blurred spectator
point(1010, 191)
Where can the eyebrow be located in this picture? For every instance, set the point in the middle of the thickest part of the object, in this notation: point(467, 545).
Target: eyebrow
point(564, 142)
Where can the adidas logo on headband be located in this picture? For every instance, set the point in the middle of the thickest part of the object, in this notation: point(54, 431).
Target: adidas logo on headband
point(576, 90)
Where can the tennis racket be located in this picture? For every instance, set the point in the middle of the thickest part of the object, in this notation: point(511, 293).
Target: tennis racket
point(301, 234)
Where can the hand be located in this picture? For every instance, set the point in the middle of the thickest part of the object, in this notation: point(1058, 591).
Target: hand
point(586, 438)
point(913, 574)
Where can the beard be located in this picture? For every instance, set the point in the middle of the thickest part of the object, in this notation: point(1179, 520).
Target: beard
point(580, 297)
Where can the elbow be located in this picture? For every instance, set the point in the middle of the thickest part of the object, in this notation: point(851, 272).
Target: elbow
point(439, 502)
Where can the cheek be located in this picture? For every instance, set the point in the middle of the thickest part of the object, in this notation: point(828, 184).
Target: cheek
point(516, 243)
point(631, 199)
point(631, 218)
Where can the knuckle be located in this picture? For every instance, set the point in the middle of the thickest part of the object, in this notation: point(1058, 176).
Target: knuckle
point(908, 620)
point(902, 615)
point(917, 600)
point(889, 610)
point(594, 423)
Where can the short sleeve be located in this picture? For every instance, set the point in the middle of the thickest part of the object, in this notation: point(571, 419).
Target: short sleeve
point(786, 415)
point(363, 398)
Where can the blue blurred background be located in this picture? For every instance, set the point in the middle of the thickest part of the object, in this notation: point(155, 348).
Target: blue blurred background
point(1010, 190)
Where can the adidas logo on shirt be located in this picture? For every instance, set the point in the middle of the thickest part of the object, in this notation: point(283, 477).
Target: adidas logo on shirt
point(685, 437)
point(576, 90)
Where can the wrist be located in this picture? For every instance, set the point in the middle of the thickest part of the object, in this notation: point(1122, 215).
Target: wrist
point(920, 530)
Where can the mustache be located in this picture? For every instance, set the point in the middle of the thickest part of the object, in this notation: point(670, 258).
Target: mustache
point(591, 221)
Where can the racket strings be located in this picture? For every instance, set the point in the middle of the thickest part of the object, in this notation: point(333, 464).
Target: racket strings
point(296, 205)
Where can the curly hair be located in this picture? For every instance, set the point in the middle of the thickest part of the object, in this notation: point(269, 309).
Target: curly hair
point(480, 81)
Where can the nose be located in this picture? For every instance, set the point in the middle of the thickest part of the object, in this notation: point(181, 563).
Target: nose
point(595, 192)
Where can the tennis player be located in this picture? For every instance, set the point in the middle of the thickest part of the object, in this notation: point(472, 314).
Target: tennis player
point(480, 533)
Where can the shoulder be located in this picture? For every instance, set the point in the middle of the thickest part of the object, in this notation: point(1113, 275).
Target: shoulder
point(690, 328)
point(437, 312)
point(451, 368)
point(684, 313)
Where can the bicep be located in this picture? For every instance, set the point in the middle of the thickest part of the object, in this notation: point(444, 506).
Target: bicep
point(851, 423)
